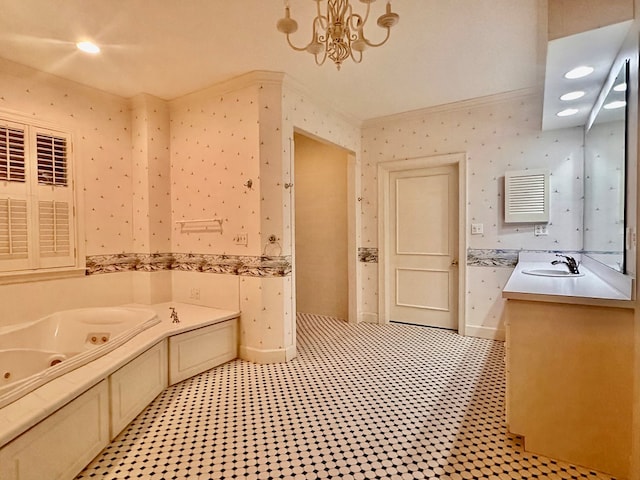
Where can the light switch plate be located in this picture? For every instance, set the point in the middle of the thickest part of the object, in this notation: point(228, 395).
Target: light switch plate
point(241, 239)
point(539, 230)
point(477, 229)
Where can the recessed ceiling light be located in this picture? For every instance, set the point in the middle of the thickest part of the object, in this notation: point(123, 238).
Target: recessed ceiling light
point(572, 95)
point(621, 87)
point(567, 112)
point(88, 47)
point(616, 104)
point(579, 72)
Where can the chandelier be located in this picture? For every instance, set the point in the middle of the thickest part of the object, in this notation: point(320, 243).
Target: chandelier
point(339, 34)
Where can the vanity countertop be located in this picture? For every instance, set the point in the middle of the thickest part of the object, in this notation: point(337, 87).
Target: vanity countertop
point(589, 289)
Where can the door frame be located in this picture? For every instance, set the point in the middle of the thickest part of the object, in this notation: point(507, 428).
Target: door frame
point(353, 225)
point(384, 170)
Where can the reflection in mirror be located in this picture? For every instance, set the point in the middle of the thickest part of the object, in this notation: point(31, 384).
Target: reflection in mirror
point(604, 164)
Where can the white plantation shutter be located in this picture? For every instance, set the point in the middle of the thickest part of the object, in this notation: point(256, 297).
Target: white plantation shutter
point(55, 199)
point(52, 159)
point(37, 224)
point(14, 234)
point(54, 222)
point(12, 159)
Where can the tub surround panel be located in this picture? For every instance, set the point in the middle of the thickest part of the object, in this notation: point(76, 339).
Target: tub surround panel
point(135, 385)
point(198, 350)
point(60, 446)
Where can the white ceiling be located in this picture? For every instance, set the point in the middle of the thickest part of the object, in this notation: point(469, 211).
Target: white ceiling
point(595, 48)
point(441, 51)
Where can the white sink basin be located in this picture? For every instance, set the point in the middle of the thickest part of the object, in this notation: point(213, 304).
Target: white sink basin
point(550, 272)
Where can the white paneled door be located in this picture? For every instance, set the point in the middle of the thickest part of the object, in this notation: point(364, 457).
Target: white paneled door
point(423, 261)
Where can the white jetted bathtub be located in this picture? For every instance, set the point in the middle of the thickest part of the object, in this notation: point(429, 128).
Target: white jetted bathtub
point(33, 353)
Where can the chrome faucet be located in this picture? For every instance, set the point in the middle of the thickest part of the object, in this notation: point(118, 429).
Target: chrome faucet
point(570, 262)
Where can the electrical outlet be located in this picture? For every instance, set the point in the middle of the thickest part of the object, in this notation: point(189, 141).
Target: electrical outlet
point(194, 294)
point(241, 239)
point(477, 229)
point(539, 230)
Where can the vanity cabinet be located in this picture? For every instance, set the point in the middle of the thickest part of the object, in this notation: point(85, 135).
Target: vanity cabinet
point(198, 350)
point(570, 382)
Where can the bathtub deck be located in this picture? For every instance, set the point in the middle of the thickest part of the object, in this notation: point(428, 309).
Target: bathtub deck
point(24, 413)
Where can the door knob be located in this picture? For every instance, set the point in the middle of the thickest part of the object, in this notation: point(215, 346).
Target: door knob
point(454, 263)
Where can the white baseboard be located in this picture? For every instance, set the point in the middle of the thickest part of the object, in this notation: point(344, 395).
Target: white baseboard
point(368, 318)
point(264, 356)
point(484, 332)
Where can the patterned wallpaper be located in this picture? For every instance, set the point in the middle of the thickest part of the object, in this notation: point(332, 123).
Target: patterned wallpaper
point(151, 176)
point(101, 128)
point(214, 153)
point(225, 153)
point(497, 134)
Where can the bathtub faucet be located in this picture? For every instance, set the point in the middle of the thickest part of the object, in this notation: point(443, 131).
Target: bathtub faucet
point(570, 262)
point(174, 315)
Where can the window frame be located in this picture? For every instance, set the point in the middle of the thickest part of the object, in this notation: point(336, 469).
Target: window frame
point(37, 266)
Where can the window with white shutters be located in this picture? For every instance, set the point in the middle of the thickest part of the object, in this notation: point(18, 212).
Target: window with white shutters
point(37, 220)
point(52, 160)
point(11, 154)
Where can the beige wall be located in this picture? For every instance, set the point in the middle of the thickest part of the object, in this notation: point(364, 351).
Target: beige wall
point(321, 228)
point(497, 134)
point(100, 124)
point(568, 17)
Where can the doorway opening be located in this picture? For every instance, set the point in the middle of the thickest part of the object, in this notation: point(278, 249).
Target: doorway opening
point(321, 233)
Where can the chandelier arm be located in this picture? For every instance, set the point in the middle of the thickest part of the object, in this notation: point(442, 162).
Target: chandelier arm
point(366, 14)
point(324, 57)
point(371, 44)
point(317, 22)
point(356, 60)
point(355, 22)
point(319, 14)
point(297, 49)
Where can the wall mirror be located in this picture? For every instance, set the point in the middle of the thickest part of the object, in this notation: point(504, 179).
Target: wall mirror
point(605, 177)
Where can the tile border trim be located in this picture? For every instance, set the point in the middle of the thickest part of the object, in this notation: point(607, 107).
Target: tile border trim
point(249, 266)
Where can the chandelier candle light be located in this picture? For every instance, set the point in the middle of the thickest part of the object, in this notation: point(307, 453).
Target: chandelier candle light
point(339, 34)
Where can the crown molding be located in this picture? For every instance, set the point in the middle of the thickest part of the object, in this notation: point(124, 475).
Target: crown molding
point(240, 82)
point(478, 102)
point(320, 100)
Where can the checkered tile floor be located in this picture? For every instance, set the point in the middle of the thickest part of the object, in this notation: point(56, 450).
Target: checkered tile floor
point(359, 402)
